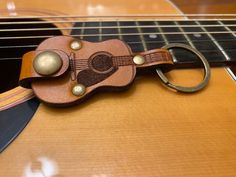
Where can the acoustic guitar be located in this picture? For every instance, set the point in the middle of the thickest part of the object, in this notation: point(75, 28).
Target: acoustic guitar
point(146, 130)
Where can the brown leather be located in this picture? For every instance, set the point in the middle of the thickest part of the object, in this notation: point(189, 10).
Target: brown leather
point(28, 73)
point(103, 65)
point(155, 57)
point(152, 58)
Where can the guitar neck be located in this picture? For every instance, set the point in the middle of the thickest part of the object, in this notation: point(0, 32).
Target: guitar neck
point(215, 39)
point(122, 60)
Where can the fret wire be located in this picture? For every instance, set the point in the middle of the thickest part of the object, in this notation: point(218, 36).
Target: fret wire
point(161, 32)
point(165, 40)
point(185, 35)
point(82, 31)
point(141, 36)
point(215, 42)
point(110, 27)
point(231, 73)
point(227, 68)
point(227, 28)
point(100, 31)
point(119, 30)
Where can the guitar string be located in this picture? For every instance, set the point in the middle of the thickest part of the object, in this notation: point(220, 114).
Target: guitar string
point(114, 27)
point(122, 16)
point(131, 42)
point(121, 27)
point(112, 20)
point(123, 34)
point(202, 51)
point(143, 26)
point(153, 26)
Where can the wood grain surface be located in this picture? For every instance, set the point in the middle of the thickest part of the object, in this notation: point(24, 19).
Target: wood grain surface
point(147, 130)
point(207, 6)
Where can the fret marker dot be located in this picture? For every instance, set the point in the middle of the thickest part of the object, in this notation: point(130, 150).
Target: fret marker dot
point(152, 36)
point(197, 35)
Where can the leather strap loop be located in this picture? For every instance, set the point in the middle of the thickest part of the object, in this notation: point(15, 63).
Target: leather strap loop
point(149, 58)
point(155, 57)
point(28, 73)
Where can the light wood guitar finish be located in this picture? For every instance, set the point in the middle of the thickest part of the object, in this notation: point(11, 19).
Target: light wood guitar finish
point(145, 131)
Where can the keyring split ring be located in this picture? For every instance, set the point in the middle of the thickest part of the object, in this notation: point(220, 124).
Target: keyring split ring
point(207, 72)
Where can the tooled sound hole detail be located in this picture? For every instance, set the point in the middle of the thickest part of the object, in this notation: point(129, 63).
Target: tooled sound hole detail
point(101, 62)
point(100, 68)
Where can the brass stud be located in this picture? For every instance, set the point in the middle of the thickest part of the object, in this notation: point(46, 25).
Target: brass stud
point(47, 63)
point(75, 45)
point(138, 60)
point(78, 90)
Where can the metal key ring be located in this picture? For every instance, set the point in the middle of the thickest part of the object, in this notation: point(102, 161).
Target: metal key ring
point(207, 72)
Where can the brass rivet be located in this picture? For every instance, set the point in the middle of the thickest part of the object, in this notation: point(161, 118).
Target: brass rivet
point(78, 90)
point(138, 60)
point(47, 63)
point(75, 45)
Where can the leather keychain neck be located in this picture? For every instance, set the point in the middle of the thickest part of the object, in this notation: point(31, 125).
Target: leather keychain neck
point(64, 70)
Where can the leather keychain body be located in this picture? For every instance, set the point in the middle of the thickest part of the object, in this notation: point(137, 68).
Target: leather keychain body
point(64, 70)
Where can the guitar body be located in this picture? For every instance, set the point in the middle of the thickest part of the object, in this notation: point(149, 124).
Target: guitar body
point(147, 130)
point(85, 70)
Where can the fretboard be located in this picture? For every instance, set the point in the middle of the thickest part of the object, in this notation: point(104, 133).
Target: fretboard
point(122, 60)
point(215, 39)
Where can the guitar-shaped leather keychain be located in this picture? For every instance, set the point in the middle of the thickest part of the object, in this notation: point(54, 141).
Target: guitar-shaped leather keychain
point(64, 70)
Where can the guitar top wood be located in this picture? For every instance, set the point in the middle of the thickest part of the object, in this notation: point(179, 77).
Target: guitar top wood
point(147, 130)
